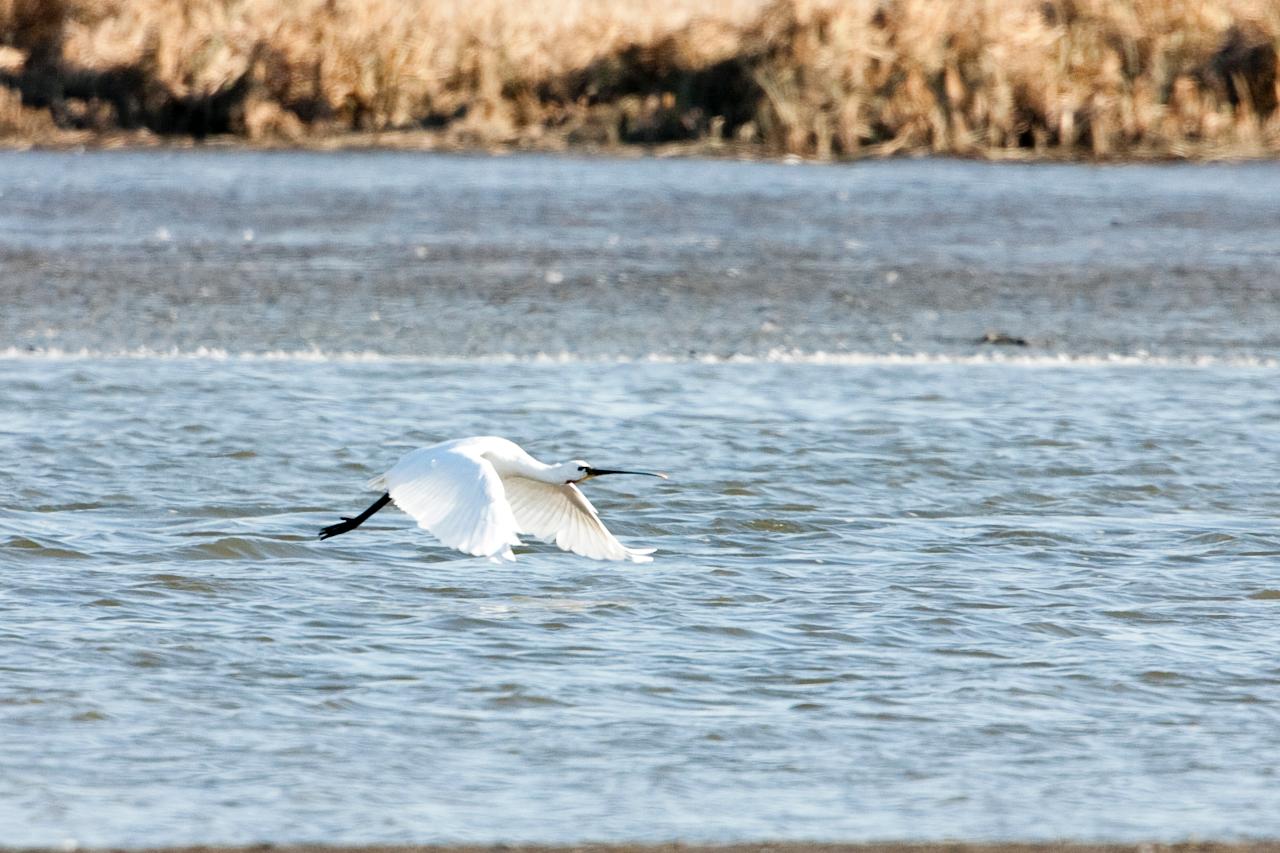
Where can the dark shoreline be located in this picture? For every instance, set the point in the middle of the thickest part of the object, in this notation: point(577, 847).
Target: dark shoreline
point(433, 142)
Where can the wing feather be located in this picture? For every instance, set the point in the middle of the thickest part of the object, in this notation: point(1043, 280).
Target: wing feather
point(562, 514)
point(456, 497)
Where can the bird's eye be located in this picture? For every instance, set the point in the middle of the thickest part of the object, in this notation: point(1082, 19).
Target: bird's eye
point(582, 467)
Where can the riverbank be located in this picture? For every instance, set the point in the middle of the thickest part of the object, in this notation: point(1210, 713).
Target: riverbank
point(1066, 79)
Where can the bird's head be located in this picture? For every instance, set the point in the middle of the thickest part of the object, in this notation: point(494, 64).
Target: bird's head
point(579, 470)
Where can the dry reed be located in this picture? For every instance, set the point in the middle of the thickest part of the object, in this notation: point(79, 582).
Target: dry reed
point(1093, 78)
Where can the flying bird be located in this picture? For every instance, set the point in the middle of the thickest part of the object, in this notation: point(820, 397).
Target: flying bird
point(479, 494)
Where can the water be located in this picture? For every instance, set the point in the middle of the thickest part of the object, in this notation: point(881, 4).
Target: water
point(905, 588)
point(476, 257)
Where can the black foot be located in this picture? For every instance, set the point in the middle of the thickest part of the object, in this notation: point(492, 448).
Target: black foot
point(345, 526)
point(349, 524)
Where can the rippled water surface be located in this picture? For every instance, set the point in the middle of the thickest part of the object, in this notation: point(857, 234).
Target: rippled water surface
point(945, 595)
point(888, 601)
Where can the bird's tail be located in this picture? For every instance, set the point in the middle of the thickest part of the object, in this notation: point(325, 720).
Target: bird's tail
point(377, 484)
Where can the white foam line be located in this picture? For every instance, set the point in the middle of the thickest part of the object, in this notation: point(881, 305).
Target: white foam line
point(776, 356)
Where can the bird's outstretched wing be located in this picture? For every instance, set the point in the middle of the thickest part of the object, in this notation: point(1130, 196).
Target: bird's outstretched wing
point(562, 514)
point(457, 497)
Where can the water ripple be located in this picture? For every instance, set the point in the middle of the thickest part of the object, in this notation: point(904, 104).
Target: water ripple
point(1054, 616)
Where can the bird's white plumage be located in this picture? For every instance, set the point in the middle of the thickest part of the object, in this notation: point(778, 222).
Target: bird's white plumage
point(563, 515)
point(457, 496)
point(478, 494)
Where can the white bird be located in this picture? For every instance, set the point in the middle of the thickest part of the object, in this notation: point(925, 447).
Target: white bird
point(479, 494)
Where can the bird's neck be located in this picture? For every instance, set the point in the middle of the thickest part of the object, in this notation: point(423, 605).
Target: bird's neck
point(526, 466)
point(546, 473)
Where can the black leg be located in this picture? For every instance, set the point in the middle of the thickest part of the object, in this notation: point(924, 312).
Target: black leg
point(349, 524)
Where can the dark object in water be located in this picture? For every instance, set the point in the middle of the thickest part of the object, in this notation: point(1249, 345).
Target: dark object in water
point(1001, 339)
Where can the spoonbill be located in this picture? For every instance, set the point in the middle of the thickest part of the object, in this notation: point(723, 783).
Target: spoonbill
point(478, 494)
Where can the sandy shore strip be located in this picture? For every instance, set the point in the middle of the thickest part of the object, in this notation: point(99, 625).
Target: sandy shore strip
point(1256, 846)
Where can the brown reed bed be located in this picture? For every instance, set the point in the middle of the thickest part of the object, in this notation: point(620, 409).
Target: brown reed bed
point(820, 78)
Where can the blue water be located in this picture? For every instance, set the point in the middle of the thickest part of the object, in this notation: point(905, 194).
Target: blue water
point(956, 592)
point(910, 602)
